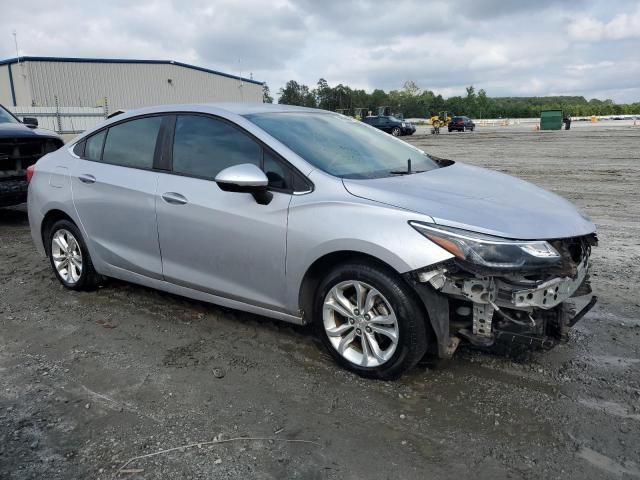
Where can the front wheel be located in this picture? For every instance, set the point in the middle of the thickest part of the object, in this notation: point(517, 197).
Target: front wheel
point(370, 321)
point(395, 132)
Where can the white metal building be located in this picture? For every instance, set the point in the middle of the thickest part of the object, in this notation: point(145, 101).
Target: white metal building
point(125, 84)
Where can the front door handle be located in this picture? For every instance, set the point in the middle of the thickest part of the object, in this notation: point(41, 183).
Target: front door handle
point(174, 198)
point(86, 178)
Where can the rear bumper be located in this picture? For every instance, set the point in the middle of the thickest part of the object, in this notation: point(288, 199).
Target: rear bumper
point(13, 192)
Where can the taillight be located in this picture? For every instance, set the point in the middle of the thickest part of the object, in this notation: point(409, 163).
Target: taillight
point(31, 169)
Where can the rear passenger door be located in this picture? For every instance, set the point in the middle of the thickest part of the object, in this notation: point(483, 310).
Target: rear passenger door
point(220, 242)
point(114, 187)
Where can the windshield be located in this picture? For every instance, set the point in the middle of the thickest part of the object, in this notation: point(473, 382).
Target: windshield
point(342, 146)
point(6, 117)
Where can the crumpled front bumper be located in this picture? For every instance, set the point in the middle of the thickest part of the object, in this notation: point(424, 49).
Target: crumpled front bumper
point(13, 191)
point(485, 308)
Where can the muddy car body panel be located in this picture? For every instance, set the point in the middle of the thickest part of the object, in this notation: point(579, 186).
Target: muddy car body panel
point(484, 252)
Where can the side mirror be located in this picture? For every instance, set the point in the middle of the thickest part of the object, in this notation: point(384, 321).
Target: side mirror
point(246, 178)
point(31, 122)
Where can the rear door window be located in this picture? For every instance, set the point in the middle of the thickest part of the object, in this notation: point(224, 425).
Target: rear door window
point(132, 143)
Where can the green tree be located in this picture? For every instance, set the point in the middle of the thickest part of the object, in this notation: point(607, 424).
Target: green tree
point(296, 94)
point(482, 103)
point(412, 101)
point(266, 94)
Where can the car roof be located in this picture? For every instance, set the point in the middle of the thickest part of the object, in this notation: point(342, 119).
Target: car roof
point(217, 108)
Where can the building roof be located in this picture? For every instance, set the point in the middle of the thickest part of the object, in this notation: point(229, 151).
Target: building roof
point(10, 61)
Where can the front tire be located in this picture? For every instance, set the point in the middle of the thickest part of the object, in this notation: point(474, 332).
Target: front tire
point(70, 258)
point(370, 320)
point(396, 132)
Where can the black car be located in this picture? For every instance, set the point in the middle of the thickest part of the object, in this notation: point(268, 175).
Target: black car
point(461, 124)
point(390, 124)
point(21, 145)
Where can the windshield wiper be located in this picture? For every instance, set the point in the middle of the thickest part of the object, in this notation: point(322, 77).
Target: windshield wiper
point(408, 171)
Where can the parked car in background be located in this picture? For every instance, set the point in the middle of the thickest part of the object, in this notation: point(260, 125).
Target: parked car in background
point(312, 217)
point(461, 123)
point(21, 145)
point(390, 124)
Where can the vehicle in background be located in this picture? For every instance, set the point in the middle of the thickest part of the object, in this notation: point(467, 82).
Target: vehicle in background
point(461, 123)
point(390, 124)
point(311, 217)
point(21, 145)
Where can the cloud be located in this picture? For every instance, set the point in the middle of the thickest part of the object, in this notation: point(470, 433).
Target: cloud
point(589, 29)
point(583, 47)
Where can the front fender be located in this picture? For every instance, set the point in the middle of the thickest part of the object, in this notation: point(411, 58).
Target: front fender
point(316, 229)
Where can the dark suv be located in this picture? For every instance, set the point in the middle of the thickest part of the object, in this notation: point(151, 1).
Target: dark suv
point(390, 124)
point(461, 124)
point(21, 145)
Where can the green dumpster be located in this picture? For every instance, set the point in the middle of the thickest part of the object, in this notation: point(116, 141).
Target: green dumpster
point(551, 120)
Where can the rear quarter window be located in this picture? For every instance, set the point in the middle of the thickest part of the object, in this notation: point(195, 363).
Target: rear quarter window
point(93, 146)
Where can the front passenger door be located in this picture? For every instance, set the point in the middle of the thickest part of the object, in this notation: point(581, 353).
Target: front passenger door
point(219, 242)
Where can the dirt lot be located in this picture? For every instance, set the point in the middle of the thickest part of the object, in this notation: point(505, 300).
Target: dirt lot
point(90, 380)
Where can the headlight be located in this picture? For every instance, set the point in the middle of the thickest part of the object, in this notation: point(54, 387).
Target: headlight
point(404, 125)
point(487, 250)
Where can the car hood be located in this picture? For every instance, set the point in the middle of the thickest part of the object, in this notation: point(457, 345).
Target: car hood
point(19, 130)
point(480, 200)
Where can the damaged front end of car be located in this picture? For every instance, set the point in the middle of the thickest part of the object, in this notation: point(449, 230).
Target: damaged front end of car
point(502, 291)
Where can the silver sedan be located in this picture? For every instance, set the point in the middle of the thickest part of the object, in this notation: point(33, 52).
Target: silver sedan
point(314, 218)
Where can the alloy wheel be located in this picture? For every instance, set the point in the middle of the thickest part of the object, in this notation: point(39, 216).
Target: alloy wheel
point(360, 323)
point(67, 256)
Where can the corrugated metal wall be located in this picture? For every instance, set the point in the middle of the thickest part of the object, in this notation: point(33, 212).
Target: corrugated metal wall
point(5, 86)
point(128, 85)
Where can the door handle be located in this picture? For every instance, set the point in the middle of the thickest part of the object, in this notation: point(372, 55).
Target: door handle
point(174, 198)
point(86, 178)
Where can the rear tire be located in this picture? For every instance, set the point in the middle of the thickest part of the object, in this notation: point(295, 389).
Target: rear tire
point(70, 257)
point(381, 336)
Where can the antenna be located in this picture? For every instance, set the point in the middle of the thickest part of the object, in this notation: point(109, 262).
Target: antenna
point(240, 78)
point(15, 41)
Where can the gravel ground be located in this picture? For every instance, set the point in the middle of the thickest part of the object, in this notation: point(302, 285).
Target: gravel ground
point(90, 380)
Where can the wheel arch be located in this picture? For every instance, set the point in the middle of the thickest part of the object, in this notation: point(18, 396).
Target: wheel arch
point(316, 271)
point(51, 217)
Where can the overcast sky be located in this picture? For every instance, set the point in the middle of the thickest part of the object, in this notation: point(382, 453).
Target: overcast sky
point(528, 47)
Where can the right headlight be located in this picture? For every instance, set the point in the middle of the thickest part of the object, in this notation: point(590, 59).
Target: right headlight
point(487, 250)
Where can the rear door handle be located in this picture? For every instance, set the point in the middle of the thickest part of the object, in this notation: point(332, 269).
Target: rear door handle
point(86, 178)
point(174, 198)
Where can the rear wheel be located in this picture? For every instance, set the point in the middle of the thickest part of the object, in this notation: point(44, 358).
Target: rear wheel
point(370, 321)
point(396, 132)
point(70, 258)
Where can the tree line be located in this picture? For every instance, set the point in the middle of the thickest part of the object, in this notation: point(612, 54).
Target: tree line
point(414, 102)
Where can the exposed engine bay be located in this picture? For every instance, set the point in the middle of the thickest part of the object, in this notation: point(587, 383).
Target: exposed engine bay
point(528, 306)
